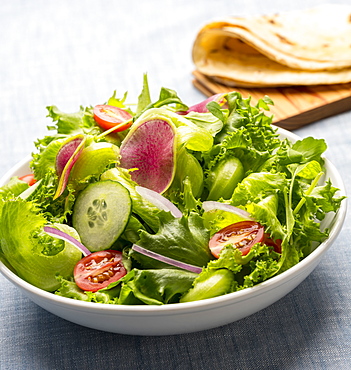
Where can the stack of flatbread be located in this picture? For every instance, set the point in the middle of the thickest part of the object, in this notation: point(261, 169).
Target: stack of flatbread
point(306, 47)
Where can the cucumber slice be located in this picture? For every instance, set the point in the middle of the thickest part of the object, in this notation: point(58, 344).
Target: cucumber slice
point(101, 213)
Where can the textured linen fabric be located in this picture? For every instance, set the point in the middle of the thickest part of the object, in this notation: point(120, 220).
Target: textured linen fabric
point(68, 54)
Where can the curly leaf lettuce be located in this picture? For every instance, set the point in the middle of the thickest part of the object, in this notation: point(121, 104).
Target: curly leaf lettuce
point(69, 289)
point(72, 123)
point(184, 239)
point(155, 286)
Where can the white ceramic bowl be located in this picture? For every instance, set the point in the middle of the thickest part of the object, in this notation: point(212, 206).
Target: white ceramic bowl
point(182, 317)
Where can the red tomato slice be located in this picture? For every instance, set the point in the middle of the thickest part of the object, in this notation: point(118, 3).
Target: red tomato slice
point(276, 244)
point(243, 235)
point(108, 116)
point(29, 179)
point(98, 270)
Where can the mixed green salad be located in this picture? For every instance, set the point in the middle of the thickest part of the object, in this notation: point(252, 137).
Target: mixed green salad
point(159, 202)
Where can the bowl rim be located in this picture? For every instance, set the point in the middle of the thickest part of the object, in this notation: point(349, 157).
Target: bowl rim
point(202, 305)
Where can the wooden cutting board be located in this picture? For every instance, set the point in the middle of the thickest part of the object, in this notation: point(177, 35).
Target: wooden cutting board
point(294, 107)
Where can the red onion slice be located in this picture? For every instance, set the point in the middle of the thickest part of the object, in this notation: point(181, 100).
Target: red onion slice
point(210, 205)
point(58, 234)
point(169, 261)
point(159, 201)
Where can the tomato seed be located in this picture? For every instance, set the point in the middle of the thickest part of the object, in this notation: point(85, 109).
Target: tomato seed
point(100, 278)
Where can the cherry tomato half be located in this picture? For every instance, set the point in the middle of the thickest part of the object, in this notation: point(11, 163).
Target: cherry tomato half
point(276, 244)
point(108, 116)
point(243, 235)
point(29, 179)
point(98, 270)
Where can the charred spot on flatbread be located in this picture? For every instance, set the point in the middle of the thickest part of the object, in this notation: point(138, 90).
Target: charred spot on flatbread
point(284, 39)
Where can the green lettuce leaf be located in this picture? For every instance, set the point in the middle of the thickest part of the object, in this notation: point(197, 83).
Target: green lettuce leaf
point(13, 188)
point(168, 98)
point(80, 122)
point(257, 186)
point(258, 265)
point(184, 239)
point(266, 212)
point(206, 121)
point(155, 286)
point(34, 255)
point(242, 114)
point(310, 148)
point(144, 99)
point(69, 289)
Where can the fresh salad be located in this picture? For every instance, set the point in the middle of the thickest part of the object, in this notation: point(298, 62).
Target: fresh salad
point(159, 203)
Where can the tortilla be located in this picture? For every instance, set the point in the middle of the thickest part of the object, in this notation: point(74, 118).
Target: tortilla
point(307, 47)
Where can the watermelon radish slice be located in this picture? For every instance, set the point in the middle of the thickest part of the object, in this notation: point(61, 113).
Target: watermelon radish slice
point(65, 159)
point(149, 151)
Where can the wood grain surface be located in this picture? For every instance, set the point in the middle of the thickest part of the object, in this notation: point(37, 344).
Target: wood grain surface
point(294, 106)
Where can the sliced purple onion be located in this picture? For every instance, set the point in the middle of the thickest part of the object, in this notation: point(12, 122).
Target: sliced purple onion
point(169, 261)
point(210, 205)
point(201, 107)
point(159, 201)
point(58, 234)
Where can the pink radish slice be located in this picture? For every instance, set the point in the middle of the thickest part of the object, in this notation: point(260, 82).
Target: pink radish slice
point(65, 159)
point(66, 152)
point(201, 107)
point(150, 152)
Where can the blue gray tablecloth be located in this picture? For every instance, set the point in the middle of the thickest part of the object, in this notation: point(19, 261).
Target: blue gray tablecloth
point(72, 53)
